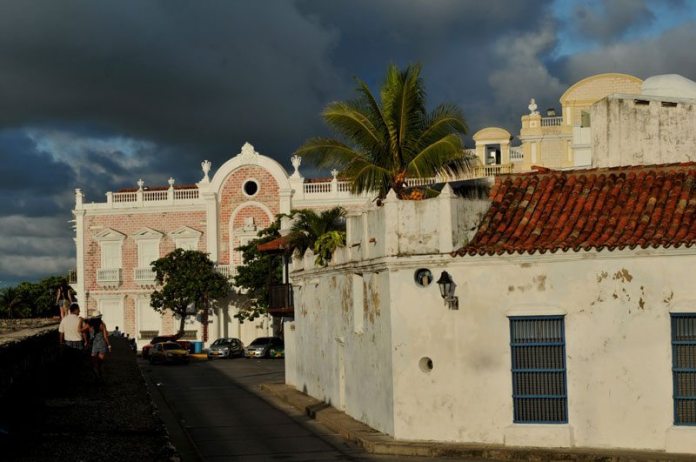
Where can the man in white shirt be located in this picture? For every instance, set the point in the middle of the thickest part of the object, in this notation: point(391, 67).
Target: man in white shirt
point(70, 329)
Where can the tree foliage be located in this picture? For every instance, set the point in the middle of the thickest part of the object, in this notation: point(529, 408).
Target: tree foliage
point(189, 283)
point(384, 142)
point(257, 273)
point(322, 232)
point(31, 299)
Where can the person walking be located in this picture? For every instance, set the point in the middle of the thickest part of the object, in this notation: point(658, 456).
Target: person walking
point(100, 343)
point(63, 298)
point(72, 337)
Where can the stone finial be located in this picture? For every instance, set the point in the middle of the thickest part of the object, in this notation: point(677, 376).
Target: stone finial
point(334, 173)
point(296, 162)
point(171, 182)
point(205, 166)
point(140, 184)
point(532, 107)
point(79, 196)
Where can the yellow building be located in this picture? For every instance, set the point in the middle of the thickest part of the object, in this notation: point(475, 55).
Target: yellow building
point(555, 140)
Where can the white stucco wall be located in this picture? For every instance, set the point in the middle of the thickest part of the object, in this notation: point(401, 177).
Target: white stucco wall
point(332, 361)
point(618, 348)
point(617, 318)
point(634, 130)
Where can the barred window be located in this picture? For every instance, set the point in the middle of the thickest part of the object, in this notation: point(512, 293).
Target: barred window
point(538, 369)
point(684, 368)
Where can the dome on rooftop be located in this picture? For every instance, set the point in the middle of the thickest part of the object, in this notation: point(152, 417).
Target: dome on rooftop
point(669, 86)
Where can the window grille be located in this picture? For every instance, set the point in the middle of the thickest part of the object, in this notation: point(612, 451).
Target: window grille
point(684, 368)
point(538, 369)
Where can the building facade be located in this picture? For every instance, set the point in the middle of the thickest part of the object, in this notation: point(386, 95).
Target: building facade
point(116, 240)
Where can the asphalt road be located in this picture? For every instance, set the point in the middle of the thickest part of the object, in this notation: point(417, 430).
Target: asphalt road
point(213, 413)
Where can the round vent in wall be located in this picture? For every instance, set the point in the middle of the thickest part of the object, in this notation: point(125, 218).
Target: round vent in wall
point(423, 277)
point(251, 187)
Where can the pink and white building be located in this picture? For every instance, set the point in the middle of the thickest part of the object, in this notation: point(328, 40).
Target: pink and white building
point(117, 239)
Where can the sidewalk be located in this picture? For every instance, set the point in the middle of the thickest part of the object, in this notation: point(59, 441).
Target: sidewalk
point(379, 443)
point(72, 417)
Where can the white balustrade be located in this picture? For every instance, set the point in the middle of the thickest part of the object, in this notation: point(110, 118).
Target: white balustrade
point(226, 270)
point(516, 155)
point(180, 194)
point(556, 121)
point(109, 275)
point(155, 195)
point(125, 197)
point(314, 188)
point(144, 275)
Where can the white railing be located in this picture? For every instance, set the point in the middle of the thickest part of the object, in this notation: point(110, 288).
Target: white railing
point(185, 194)
point(489, 170)
point(145, 274)
point(152, 196)
point(344, 186)
point(226, 270)
point(109, 275)
point(516, 155)
point(556, 121)
point(314, 188)
point(412, 182)
point(125, 197)
point(155, 195)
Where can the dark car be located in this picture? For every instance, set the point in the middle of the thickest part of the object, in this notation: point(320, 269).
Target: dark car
point(168, 352)
point(262, 347)
point(226, 347)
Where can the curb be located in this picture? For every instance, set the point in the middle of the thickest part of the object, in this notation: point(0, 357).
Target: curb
point(376, 442)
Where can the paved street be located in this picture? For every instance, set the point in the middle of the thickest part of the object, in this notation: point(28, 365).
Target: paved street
point(213, 414)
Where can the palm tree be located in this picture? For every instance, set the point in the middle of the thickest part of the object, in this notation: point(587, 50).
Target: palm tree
point(393, 139)
point(322, 232)
point(10, 297)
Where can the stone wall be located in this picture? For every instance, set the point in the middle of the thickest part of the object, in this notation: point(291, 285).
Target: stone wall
point(633, 130)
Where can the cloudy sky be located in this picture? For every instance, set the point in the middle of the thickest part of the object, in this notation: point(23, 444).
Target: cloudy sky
point(98, 94)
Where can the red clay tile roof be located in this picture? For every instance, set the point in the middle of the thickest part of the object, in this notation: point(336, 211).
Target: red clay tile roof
point(278, 244)
point(646, 206)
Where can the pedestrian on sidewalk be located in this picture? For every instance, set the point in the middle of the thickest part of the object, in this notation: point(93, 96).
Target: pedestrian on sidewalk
point(63, 298)
point(100, 343)
point(72, 336)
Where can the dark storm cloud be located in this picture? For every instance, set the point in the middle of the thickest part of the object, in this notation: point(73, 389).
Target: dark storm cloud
point(98, 94)
point(30, 180)
point(666, 54)
point(170, 71)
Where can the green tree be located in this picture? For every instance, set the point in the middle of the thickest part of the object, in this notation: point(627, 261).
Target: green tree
point(188, 279)
point(10, 299)
point(390, 140)
point(257, 272)
point(322, 232)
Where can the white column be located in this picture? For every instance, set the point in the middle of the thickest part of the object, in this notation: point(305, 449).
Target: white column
point(80, 257)
point(445, 219)
point(211, 223)
point(391, 224)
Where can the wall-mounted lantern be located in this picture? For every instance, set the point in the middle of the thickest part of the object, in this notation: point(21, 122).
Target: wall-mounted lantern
point(447, 286)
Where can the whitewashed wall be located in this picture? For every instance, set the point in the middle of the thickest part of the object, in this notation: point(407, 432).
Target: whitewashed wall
point(630, 130)
point(618, 349)
point(616, 307)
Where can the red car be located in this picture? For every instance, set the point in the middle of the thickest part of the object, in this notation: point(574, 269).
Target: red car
point(185, 344)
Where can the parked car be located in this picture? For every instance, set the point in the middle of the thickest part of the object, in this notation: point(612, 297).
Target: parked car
point(261, 347)
point(226, 347)
point(185, 344)
point(168, 352)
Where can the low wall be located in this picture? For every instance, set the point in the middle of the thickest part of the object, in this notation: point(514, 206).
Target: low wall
point(24, 352)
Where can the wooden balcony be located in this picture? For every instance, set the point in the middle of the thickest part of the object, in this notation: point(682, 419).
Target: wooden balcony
point(280, 301)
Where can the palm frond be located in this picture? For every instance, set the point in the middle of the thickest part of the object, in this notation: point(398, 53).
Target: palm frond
point(351, 119)
point(434, 158)
point(328, 153)
point(440, 122)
